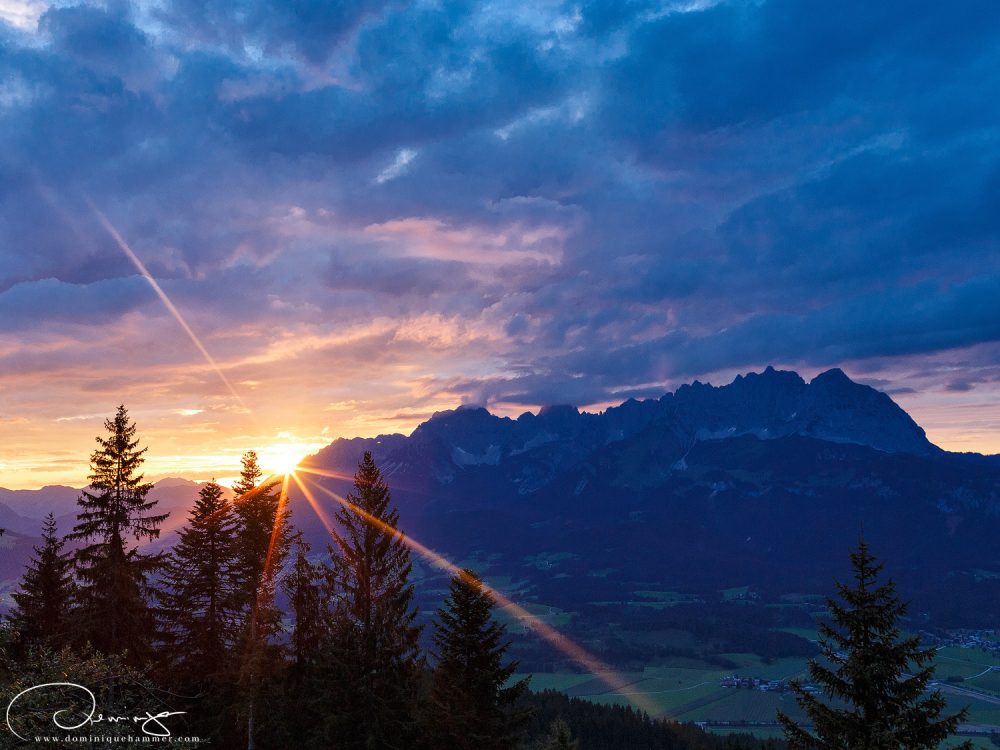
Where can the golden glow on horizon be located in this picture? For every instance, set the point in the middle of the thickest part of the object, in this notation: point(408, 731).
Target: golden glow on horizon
point(35, 453)
point(573, 650)
point(283, 457)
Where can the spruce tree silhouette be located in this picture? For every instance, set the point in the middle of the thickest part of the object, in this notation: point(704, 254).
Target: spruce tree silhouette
point(875, 680)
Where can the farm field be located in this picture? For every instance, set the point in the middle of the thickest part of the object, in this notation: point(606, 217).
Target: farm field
point(684, 690)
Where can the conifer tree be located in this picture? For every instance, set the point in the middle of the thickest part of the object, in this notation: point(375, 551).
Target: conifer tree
point(198, 599)
point(250, 474)
point(41, 612)
point(263, 534)
point(263, 531)
point(471, 706)
point(559, 737)
point(303, 585)
point(370, 668)
point(114, 613)
point(877, 678)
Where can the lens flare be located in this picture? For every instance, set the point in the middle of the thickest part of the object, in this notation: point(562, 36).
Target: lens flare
point(350, 478)
point(140, 266)
point(276, 529)
point(615, 682)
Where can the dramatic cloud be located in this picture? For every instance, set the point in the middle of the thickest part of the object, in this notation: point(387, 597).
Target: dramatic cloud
point(402, 206)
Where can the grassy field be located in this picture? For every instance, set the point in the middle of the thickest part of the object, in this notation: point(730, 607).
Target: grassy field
point(687, 691)
point(683, 681)
point(990, 682)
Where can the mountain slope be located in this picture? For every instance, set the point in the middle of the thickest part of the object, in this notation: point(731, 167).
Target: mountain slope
point(764, 482)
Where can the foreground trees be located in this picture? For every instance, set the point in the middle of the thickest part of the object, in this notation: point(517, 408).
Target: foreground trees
point(199, 590)
point(472, 707)
point(304, 588)
point(114, 613)
point(369, 664)
point(41, 612)
point(263, 534)
point(878, 678)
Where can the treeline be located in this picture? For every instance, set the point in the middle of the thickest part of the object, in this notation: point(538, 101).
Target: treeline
point(624, 728)
point(196, 636)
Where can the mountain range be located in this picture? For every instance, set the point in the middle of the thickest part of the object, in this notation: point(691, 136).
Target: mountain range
point(766, 483)
point(763, 484)
point(22, 512)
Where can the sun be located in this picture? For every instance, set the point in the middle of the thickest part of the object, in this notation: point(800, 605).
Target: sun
point(282, 459)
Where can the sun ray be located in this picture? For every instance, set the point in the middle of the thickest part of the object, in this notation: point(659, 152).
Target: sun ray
point(316, 507)
point(350, 478)
point(171, 307)
point(276, 529)
point(615, 682)
point(322, 473)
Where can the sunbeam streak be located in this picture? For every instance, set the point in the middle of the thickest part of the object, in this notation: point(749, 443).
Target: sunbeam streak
point(574, 651)
point(318, 509)
point(322, 473)
point(277, 528)
point(140, 266)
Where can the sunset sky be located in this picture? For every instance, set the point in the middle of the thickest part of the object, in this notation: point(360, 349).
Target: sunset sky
point(368, 211)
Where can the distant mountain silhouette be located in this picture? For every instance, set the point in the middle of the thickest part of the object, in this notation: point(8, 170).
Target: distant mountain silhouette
point(34, 505)
point(768, 405)
point(766, 481)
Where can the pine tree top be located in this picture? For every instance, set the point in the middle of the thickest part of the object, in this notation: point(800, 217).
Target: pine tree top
point(250, 474)
point(115, 504)
point(465, 628)
point(879, 676)
point(369, 522)
point(42, 604)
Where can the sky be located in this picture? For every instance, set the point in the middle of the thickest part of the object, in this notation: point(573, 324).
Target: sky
point(363, 212)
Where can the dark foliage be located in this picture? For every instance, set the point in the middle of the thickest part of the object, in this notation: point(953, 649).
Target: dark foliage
point(599, 727)
point(42, 608)
point(875, 680)
point(370, 663)
point(198, 592)
point(304, 588)
point(559, 737)
point(472, 706)
point(114, 612)
point(263, 535)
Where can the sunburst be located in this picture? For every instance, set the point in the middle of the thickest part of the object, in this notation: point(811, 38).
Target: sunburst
point(282, 459)
point(616, 682)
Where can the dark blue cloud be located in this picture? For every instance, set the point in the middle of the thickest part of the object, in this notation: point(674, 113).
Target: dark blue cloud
point(102, 302)
point(97, 37)
point(625, 193)
point(312, 29)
